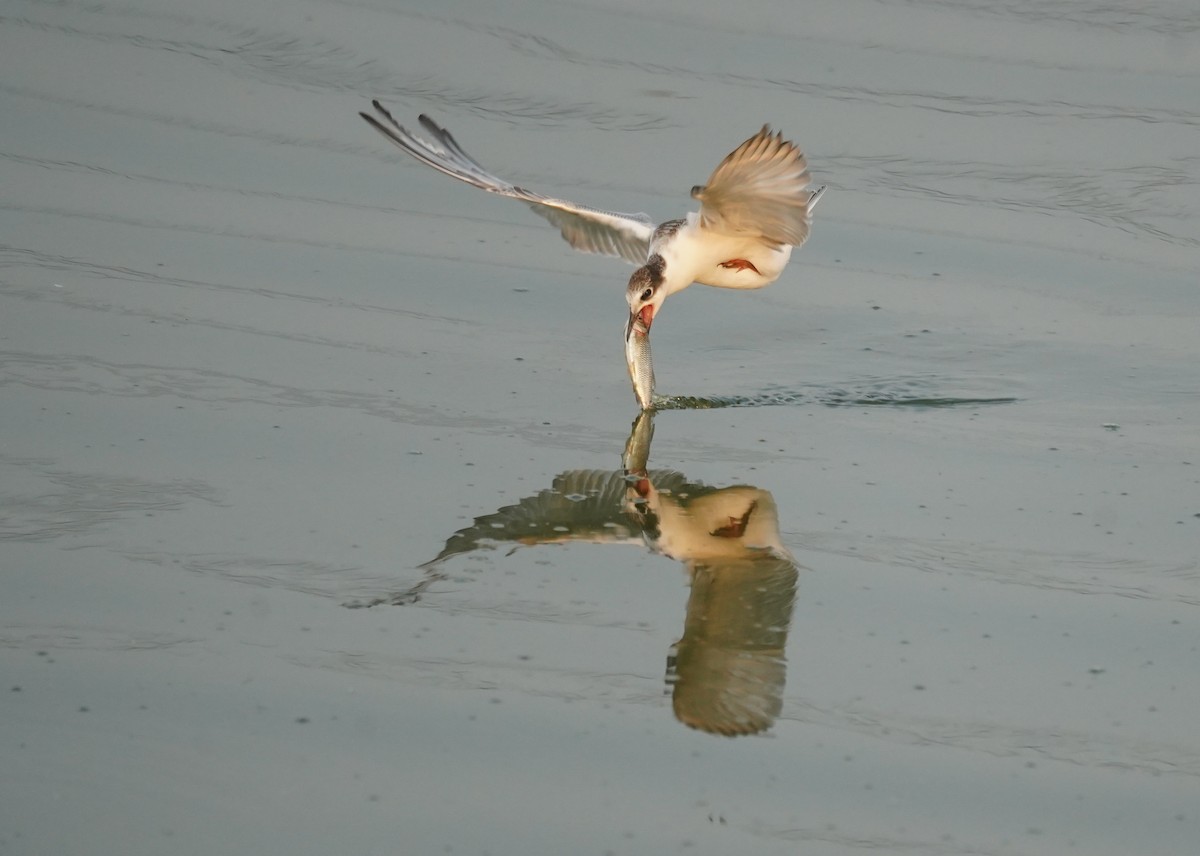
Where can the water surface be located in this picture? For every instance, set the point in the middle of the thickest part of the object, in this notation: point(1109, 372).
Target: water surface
point(321, 526)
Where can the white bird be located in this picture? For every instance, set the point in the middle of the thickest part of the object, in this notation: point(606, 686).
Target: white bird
point(754, 210)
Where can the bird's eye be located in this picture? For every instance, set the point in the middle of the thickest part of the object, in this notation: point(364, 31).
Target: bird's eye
point(647, 294)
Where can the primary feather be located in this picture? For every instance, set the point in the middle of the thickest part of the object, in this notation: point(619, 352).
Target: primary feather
point(587, 229)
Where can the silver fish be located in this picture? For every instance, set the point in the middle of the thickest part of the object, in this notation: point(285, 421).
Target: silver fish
point(641, 367)
point(636, 456)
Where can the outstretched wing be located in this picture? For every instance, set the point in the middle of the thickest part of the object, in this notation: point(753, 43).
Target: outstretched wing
point(582, 505)
point(760, 189)
point(587, 229)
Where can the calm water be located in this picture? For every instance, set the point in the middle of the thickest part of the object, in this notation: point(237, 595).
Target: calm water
point(315, 531)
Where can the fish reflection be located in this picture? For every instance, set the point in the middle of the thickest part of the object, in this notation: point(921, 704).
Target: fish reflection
point(728, 670)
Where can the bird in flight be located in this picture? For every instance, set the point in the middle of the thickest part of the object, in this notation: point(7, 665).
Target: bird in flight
point(755, 209)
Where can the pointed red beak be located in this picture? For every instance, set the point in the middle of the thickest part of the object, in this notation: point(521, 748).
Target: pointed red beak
point(647, 316)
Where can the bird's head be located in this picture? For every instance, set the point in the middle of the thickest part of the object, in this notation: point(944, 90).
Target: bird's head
point(645, 295)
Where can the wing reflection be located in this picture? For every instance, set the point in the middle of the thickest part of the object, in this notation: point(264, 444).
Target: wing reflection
point(727, 672)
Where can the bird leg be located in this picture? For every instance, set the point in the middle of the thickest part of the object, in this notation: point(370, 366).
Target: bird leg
point(737, 525)
point(739, 264)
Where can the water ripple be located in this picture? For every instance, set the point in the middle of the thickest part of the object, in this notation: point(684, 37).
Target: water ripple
point(1160, 18)
point(306, 62)
point(958, 104)
point(1136, 198)
point(80, 502)
point(919, 393)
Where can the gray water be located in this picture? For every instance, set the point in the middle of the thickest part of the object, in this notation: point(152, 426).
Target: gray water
point(319, 530)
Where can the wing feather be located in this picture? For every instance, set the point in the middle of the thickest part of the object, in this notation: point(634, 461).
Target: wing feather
point(587, 229)
point(761, 188)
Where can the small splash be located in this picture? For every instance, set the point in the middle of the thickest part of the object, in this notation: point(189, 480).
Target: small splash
point(873, 393)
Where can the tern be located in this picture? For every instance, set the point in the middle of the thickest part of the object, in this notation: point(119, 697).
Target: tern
point(755, 209)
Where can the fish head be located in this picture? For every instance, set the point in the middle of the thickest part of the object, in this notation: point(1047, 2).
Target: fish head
point(645, 295)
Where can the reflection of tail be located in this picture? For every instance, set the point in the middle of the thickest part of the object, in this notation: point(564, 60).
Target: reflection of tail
point(729, 670)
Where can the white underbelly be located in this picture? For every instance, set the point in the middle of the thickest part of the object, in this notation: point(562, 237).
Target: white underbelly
point(709, 258)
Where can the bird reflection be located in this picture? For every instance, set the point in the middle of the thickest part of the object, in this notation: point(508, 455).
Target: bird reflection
point(727, 672)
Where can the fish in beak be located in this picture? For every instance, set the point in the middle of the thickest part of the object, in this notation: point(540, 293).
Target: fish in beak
point(638, 360)
point(639, 323)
